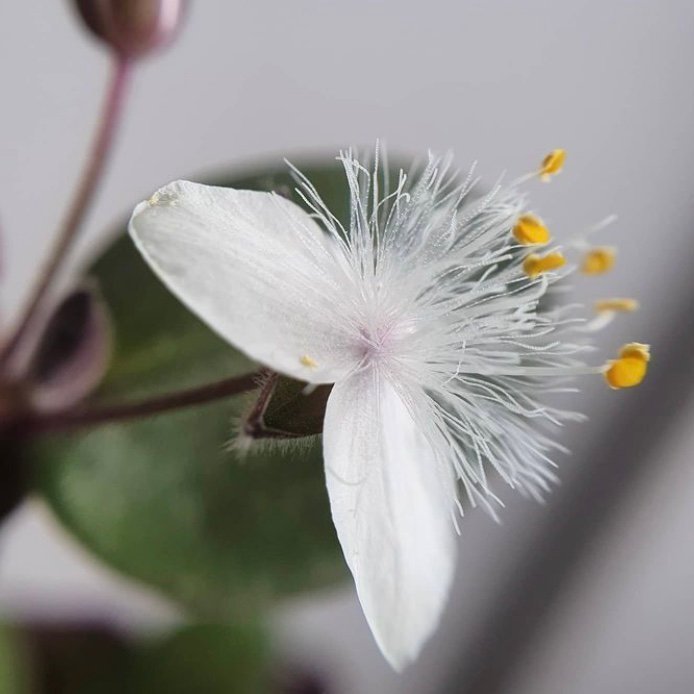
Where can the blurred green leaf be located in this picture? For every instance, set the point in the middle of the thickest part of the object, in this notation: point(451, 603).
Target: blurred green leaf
point(95, 659)
point(76, 659)
point(164, 500)
point(204, 658)
point(14, 676)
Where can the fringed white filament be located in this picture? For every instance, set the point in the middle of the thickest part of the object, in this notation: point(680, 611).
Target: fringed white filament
point(437, 296)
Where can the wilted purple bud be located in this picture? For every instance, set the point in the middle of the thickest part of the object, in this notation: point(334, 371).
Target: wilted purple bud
point(72, 354)
point(132, 27)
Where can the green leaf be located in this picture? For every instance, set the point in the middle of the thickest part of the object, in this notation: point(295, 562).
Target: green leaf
point(14, 676)
point(204, 658)
point(95, 659)
point(165, 500)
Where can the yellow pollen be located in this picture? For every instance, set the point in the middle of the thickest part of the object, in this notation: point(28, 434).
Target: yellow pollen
point(552, 164)
point(631, 367)
point(308, 361)
point(627, 305)
point(536, 264)
point(529, 230)
point(636, 350)
point(598, 260)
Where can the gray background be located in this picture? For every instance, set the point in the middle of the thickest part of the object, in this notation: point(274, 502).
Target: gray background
point(498, 81)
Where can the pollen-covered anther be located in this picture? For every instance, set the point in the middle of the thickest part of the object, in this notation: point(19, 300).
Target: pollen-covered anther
point(308, 361)
point(552, 164)
point(630, 368)
point(616, 305)
point(598, 260)
point(535, 264)
point(530, 230)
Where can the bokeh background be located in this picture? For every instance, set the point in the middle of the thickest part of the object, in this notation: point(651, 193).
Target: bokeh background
point(591, 593)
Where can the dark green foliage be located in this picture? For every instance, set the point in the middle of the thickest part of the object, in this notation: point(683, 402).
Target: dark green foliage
point(94, 659)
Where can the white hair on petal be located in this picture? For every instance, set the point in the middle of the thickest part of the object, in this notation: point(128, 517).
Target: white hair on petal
point(435, 287)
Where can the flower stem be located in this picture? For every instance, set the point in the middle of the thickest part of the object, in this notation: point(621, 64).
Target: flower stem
point(89, 181)
point(68, 420)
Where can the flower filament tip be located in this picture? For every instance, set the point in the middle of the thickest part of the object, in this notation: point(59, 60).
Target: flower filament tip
point(622, 305)
point(552, 164)
point(598, 260)
point(535, 264)
point(530, 230)
point(630, 368)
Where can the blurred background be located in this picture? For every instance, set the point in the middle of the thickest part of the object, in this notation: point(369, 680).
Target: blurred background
point(588, 594)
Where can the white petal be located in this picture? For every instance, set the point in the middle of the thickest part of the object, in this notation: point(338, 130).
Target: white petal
point(391, 499)
point(255, 267)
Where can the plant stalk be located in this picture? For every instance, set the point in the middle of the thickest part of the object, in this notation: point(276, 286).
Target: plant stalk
point(69, 420)
point(88, 183)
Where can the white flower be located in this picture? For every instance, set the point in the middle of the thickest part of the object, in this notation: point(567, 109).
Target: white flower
point(427, 313)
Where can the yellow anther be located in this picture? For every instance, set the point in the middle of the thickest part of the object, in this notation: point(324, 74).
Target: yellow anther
point(552, 164)
point(626, 305)
point(308, 361)
point(598, 260)
point(631, 367)
point(536, 264)
point(529, 230)
point(635, 350)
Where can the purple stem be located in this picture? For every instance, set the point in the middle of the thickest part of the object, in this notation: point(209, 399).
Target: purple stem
point(68, 420)
point(89, 181)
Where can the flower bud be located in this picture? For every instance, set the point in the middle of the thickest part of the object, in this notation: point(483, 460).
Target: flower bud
point(132, 28)
point(73, 352)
